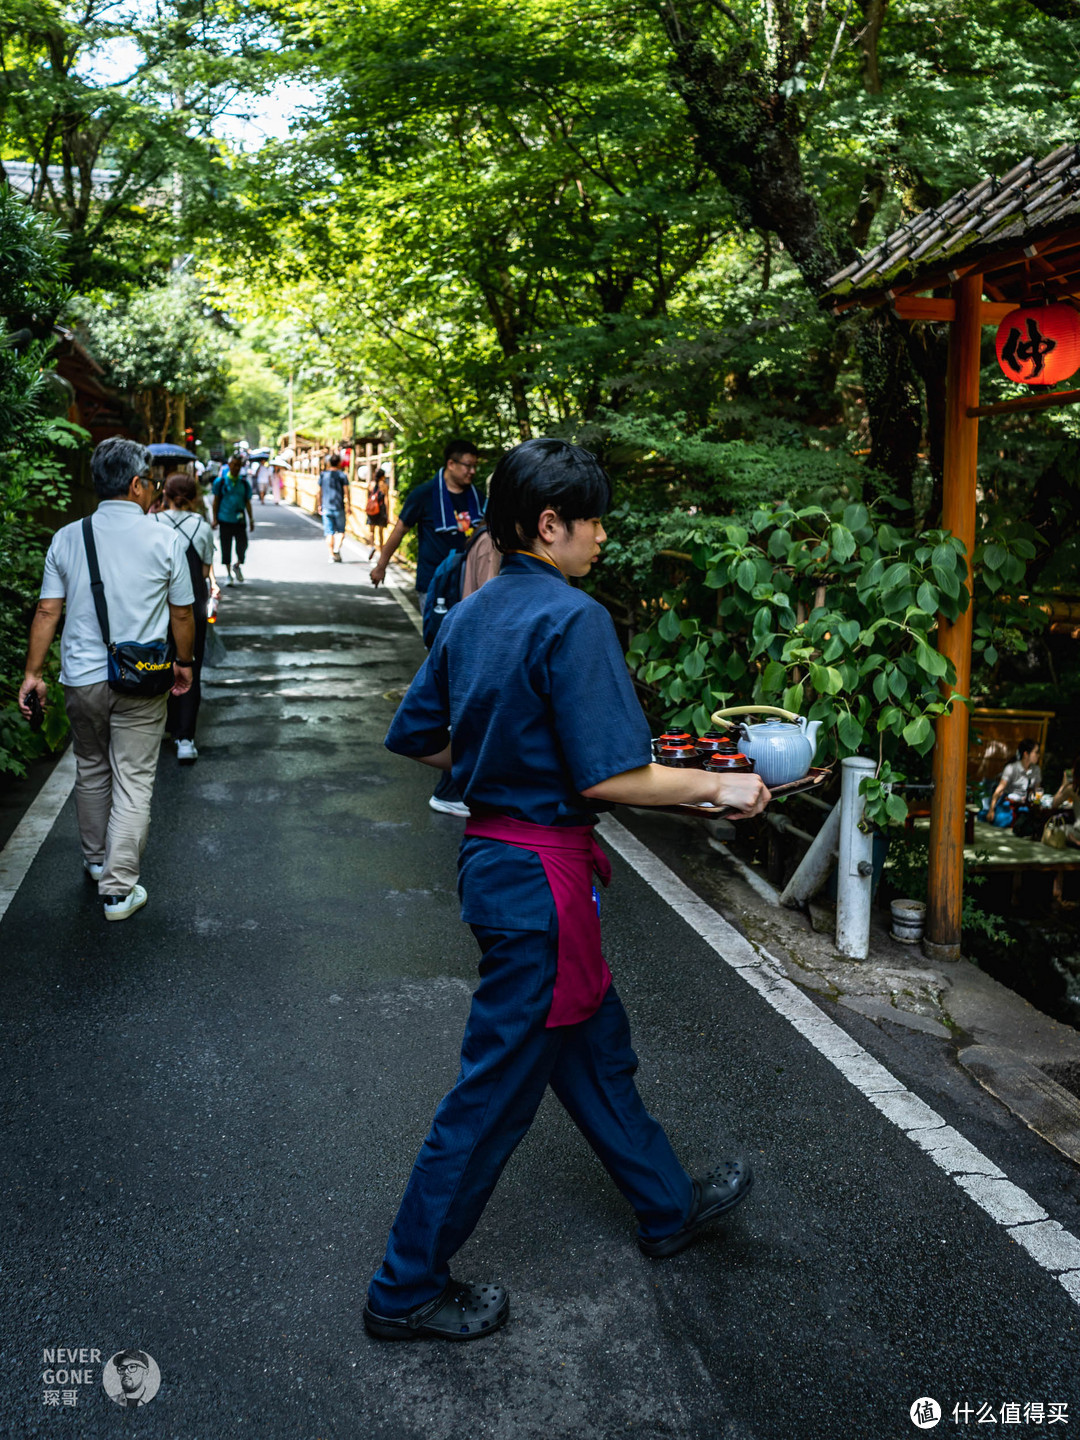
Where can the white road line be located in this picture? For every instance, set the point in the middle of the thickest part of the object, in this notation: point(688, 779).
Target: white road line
point(29, 835)
point(393, 582)
point(1023, 1219)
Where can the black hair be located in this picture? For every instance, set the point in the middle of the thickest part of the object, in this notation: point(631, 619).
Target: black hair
point(334, 460)
point(454, 448)
point(115, 463)
point(1026, 746)
point(538, 475)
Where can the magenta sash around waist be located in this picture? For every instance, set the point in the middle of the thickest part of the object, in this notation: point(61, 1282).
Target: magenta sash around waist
point(569, 855)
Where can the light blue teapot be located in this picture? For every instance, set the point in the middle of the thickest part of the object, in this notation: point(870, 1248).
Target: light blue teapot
point(782, 749)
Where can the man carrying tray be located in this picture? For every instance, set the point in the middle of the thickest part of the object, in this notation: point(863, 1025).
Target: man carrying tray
point(547, 731)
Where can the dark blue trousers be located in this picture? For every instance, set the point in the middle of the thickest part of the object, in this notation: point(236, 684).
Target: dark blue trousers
point(508, 1058)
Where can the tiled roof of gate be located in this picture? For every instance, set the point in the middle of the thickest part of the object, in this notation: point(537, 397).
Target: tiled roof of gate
point(1037, 199)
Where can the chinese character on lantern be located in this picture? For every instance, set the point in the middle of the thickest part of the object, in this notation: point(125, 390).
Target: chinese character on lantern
point(1039, 344)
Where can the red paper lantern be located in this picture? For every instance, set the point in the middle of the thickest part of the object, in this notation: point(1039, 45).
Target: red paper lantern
point(1039, 344)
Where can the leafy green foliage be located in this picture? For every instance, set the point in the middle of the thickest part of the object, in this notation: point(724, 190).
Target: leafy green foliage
point(160, 344)
point(828, 612)
point(32, 475)
point(114, 109)
point(254, 403)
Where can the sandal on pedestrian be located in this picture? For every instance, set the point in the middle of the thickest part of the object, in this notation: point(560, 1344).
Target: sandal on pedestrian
point(715, 1193)
point(461, 1312)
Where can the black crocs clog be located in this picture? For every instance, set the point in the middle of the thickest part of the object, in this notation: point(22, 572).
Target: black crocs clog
point(461, 1312)
point(715, 1193)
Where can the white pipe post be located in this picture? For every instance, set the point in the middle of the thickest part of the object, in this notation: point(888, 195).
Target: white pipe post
point(855, 866)
point(814, 867)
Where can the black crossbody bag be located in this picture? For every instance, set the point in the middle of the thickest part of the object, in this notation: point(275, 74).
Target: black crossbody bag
point(134, 669)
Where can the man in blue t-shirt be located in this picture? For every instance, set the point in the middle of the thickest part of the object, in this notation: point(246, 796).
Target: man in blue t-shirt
point(444, 511)
point(334, 506)
point(232, 498)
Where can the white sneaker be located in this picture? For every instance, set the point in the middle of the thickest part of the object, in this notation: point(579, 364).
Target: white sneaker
point(119, 907)
point(93, 872)
point(228, 574)
point(186, 752)
point(450, 807)
point(238, 575)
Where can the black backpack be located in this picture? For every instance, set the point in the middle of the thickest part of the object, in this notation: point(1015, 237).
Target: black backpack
point(195, 564)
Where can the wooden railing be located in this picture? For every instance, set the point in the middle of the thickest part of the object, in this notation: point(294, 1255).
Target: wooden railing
point(301, 488)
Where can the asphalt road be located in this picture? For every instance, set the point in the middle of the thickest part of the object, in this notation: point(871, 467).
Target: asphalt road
point(210, 1112)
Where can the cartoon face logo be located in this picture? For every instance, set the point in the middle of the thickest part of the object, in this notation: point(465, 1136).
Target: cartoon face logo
point(131, 1378)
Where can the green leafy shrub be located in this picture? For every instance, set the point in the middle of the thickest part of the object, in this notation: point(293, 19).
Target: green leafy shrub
point(32, 478)
point(828, 611)
point(32, 473)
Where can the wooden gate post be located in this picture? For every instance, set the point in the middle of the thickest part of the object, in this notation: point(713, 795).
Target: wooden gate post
point(954, 640)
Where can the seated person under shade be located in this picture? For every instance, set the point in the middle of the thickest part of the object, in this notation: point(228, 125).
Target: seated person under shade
point(1020, 778)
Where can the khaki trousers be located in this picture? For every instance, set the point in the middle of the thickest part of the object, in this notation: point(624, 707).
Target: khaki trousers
point(116, 739)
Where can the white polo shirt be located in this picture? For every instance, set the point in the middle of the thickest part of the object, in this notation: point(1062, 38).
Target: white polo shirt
point(143, 569)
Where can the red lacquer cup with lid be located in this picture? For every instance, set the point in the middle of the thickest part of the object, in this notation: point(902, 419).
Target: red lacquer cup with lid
point(721, 763)
point(713, 742)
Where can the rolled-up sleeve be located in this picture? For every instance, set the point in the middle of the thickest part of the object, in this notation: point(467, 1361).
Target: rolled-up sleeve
point(422, 723)
point(598, 717)
point(52, 581)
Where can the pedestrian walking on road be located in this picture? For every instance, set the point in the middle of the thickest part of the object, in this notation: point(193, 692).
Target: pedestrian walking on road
point(334, 506)
point(232, 501)
point(141, 574)
point(378, 512)
point(444, 510)
point(183, 511)
point(528, 678)
point(263, 476)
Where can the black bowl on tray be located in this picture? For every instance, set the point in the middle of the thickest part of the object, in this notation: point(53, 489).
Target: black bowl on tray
point(680, 757)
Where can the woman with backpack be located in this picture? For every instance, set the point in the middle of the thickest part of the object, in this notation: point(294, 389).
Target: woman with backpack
point(183, 510)
point(378, 512)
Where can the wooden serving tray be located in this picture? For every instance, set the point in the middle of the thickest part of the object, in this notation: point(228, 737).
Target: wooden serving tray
point(812, 780)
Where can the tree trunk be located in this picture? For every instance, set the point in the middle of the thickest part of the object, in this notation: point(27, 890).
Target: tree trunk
point(501, 304)
point(747, 132)
point(893, 408)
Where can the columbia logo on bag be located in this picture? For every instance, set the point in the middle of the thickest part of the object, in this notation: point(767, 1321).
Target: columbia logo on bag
point(148, 665)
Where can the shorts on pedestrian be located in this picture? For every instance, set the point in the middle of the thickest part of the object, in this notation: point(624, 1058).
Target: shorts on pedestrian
point(333, 522)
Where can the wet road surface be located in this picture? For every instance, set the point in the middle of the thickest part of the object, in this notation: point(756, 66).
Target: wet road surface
point(210, 1112)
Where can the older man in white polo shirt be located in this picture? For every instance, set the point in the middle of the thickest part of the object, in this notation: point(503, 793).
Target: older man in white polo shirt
point(115, 737)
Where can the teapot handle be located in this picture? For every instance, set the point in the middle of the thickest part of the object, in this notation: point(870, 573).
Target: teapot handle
point(718, 715)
